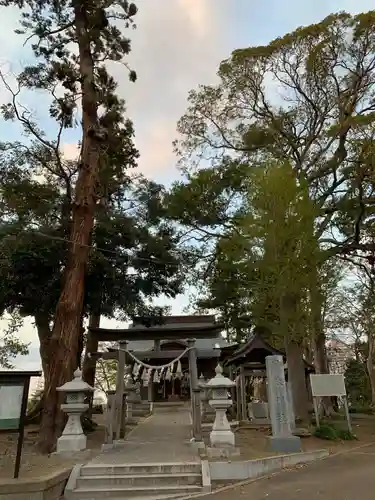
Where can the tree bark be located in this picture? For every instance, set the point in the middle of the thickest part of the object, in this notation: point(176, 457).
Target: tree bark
point(64, 341)
point(294, 348)
point(370, 364)
point(297, 380)
point(319, 339)
point(42, 323)
point(89, 365)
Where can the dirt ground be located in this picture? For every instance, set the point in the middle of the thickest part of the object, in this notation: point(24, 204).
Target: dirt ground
point(33, 464)
point(253, 444)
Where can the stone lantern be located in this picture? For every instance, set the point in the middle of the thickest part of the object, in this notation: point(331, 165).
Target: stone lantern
point(221, 434)
point(73, 439)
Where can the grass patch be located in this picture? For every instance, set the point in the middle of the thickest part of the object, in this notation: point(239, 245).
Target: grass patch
point(365, 410)
point(332, 433)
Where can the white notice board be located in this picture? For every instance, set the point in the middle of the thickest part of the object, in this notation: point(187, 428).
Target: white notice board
point(10, 406)
point(327, 385)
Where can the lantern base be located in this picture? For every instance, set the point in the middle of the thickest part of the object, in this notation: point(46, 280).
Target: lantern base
point(222, 451)
point(220, 438)
point(71, 443)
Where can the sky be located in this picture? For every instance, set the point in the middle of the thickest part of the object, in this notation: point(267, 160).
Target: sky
point(177, 45)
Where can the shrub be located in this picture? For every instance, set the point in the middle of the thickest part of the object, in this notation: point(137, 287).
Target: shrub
point(331, 433)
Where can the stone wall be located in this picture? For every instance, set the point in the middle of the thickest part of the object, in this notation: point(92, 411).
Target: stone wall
point(48, 488)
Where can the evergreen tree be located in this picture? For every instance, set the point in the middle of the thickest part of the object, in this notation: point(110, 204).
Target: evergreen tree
point(72, 43)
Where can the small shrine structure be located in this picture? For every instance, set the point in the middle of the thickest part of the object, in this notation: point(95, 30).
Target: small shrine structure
point(247, 365)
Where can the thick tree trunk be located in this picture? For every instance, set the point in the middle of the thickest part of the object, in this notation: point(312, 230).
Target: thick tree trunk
point(370, 364)
point(321, 367)
point(297, 380)
point(319, 339)
point(89, 365)
point(64, 341)
point(42, 324)
point(294, 354)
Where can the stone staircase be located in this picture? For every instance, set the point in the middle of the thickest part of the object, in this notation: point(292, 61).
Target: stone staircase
point(141, 409)
point(141, 481)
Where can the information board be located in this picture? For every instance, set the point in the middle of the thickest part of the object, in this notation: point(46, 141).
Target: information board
point(327, 385)
point(10, 406)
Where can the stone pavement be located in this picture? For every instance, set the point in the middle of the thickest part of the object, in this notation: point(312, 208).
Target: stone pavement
point(348, 476)
point(164, 437)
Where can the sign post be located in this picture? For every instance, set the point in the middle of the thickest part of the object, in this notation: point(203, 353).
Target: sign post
point(14, 392)
point(329, 385)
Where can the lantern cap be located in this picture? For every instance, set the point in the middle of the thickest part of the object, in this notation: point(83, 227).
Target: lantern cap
point(219, 381)
point(76, 385)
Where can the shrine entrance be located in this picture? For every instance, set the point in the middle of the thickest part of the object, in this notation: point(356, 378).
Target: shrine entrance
point(167, 369)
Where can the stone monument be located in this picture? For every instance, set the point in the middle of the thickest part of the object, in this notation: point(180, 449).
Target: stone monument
point(282, 439)
point(258, 413)
point(73, 438)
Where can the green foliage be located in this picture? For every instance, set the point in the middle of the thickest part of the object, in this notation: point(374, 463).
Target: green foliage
point(10, 345)
point(321, 119)
point(332, 433)
point(326, 431)
point(105, 375)
point(363, 409)
point(357, 383)
point(264, 247)
point(133, 250)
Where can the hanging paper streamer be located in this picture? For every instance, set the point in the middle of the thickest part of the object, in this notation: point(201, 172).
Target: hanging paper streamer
point(135, 369)
point(168, 375)
point(179, 370)
point(156, 377)
point(146, 378)
point(137, 373)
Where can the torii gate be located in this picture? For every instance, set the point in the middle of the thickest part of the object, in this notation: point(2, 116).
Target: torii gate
point(173, 328)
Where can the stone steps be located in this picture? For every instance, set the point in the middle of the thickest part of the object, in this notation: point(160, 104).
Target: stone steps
point(141, 481)
point(154, 497)
point(155, 480)
point(141, 468)
point(135, 492)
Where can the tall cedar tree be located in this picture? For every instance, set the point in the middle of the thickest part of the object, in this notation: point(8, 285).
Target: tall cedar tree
point(72, 41)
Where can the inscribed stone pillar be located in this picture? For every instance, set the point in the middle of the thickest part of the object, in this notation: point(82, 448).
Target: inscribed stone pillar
point(291, 414)
point(282, 439)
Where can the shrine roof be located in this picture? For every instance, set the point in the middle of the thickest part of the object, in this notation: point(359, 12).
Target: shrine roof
point(255, 350)
point(169, 328)
point(246, 351)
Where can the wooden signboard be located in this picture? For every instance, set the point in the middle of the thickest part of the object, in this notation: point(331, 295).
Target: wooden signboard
point(11, 394)
point(14, 391)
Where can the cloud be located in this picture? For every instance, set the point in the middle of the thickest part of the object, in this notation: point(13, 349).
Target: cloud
point(70, 151)
point(155, 144)
point(176, 45)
